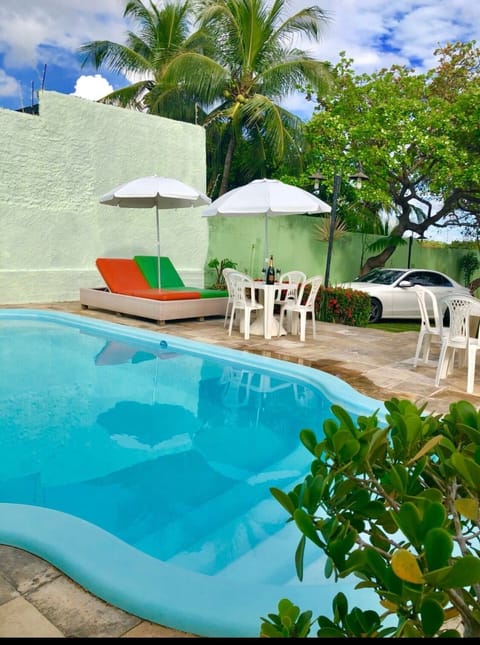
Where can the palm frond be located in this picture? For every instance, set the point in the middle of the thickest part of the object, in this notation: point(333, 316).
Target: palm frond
point(322, 229)
point(384, 242)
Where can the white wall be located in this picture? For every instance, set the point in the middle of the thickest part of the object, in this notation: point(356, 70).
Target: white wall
point(54, 168)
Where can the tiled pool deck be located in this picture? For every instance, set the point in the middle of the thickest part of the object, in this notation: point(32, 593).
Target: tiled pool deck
point(37, 600)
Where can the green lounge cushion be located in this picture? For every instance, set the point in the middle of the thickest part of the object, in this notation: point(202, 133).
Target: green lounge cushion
point(168, 274)
point(213, 293)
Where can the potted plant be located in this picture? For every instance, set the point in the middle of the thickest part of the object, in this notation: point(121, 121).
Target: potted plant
point(219, 265)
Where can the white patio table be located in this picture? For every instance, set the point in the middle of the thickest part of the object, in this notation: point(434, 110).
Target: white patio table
point(265, 323)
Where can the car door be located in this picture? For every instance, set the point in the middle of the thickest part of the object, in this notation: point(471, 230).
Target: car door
point(436, 282)
point(442, 287)
point(405, 303)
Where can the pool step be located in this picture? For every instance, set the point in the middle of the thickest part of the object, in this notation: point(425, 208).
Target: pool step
point(237, 539)
point(245, 505)
point(273, 561)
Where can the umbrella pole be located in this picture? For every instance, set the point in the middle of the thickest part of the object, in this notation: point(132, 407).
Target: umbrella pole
point(158, 249)
point(265, 256)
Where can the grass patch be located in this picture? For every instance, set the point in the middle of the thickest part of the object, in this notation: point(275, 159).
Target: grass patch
point(396, 325)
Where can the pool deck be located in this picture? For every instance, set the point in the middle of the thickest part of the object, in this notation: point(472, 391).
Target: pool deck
point(37, 600)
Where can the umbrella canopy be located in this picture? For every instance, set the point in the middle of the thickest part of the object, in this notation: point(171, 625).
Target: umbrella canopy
point(161, 192)
point(267, 197)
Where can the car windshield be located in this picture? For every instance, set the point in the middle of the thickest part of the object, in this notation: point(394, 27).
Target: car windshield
point(380, 276)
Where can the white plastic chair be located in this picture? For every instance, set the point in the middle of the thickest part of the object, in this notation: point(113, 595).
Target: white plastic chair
point(303, 309)
point(458, 338)
point(431, 326)
point(226, 273)
point(472, 349)
point(237, 386)
point(243, 294)
point(290, 281)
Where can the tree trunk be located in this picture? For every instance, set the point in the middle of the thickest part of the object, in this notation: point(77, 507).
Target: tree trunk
point(227, 164)
point(377, 260)
point(474, 285)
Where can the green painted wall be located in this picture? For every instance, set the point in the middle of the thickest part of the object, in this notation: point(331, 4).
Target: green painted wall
point(54, 167)
point(293, 243)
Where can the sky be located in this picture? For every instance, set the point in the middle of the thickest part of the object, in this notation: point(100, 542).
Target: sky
point(39, 41)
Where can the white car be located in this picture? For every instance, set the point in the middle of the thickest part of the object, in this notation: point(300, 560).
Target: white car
point(391, 292)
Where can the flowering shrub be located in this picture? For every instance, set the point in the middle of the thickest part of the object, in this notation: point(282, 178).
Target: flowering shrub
point(344, 306)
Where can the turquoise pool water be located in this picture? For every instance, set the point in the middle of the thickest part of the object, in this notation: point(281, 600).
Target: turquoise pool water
point(140, 464)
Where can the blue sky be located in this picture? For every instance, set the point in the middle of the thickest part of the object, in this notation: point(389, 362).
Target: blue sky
point(39, 40)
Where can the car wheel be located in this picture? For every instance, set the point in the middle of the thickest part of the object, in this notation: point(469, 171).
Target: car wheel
point(375, 311)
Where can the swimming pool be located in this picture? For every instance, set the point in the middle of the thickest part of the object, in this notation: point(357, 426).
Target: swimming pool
point(140, 465)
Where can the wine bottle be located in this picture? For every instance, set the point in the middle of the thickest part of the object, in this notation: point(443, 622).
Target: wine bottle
point(270, 274)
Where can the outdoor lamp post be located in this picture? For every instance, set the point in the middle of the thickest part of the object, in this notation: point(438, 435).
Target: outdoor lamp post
point(357, 180)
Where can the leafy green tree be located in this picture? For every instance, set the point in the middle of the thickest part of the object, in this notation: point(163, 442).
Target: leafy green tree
point(395, 503)
point(161, 34)
point(416, 136)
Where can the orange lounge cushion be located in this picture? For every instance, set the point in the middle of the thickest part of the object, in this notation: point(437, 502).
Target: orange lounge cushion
point(163, 294)
point(121, 275)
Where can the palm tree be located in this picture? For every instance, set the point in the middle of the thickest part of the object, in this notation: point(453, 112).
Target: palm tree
point(249, 70)
point(162, 34)
point(229, 75)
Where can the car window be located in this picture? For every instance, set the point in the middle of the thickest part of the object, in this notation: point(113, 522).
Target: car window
point(380, 276)
point(428, 279)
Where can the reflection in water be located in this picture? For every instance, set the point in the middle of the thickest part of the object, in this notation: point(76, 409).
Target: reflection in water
point(152, 426)
point(115, 353)
point(251, 419)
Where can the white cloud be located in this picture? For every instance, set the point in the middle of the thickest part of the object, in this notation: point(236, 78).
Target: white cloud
point(27, 24)
point(92, 87)
point(8, 84)
point(376, 33)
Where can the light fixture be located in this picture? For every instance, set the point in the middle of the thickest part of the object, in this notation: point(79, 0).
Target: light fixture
point(317, 178)
point(357, 178)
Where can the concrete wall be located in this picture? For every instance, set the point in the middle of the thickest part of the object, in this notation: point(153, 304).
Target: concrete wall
point(54, 167)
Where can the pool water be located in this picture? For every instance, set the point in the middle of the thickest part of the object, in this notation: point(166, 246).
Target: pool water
point(140, 464)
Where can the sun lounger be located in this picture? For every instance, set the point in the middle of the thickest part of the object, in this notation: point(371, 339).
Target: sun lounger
point(128, 291)
point(124, 276)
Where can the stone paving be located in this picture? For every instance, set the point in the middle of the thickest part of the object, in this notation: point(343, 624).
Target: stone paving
point(37, 600)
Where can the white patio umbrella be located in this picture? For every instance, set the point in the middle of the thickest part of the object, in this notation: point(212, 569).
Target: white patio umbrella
point(267, 197)
point(161, 192)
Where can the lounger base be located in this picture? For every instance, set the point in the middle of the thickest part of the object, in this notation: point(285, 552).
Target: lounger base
point(158, 310)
